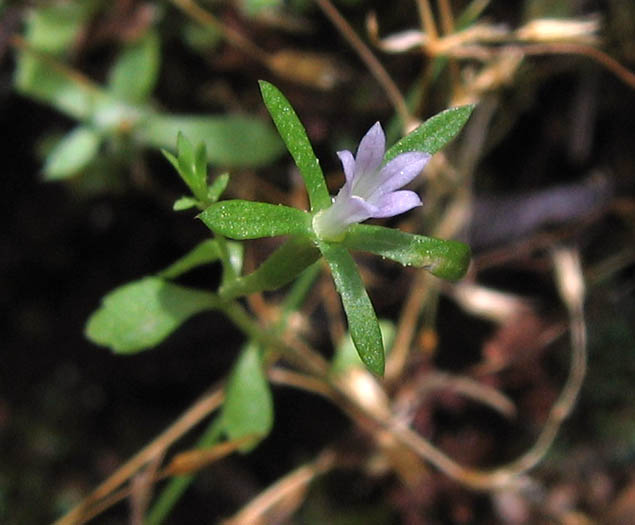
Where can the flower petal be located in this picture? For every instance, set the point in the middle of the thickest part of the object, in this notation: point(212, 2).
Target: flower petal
point(400, 171)
point(356, 210)
point(348, 163)
point(370, 152)
point(395, 203)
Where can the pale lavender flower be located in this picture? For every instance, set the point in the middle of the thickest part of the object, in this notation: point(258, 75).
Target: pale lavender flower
point(370, 190)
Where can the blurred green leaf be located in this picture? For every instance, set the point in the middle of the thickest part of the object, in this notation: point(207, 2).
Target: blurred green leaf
point(141, 314)
point(73, 153)
point(201, 39)
point(434, 134)
point(254, 7)
point(135, 72)
point(43, 82)
point(248, 406)
point(53, 28)
point(294, 136)
point(240, 219)
point(446, 259)
point(280, 268)
point(231, 140)
point(471, 13)
point(362, 321)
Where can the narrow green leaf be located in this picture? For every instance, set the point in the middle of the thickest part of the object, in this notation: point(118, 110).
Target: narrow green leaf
point(434, 133)
point(217, 188)
point(140, 314)
point(240, 219)
point(346, 356)
point(362, 321)
point(54, 28)
point(280, 268)
point(177, 485)
point(471, 13)
point(446, 259)
point(41, 81)
point(185, 203)
point(248, 406)
point(72, 154)
point(192, 166)
point(203, 253)
point(294, 136)
point(135, 72)
point(253, 8)
point(231, 140)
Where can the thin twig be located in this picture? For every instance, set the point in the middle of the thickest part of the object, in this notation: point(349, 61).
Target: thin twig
point(283, 376)
point(447, 23)
point(114, 497)
point(196, 413)
point(373, 65)
point(407, 327)
point(427, 20)
point(237, 39)
point(287, 491)
point(569, 276)
point(73, 75)
point(469, 388)
point(608, 62)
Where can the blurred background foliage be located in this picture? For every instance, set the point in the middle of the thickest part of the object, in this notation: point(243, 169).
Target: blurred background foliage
point(91, 90)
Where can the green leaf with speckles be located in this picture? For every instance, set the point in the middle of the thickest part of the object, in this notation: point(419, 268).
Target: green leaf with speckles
point(141, 314)
point(434, 134)
point(446, 259)
point(240, 219)
point(362, 321)
point(294, 136)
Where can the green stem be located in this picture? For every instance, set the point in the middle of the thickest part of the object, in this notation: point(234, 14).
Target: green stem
point(177, 486)
point(284, 265)
point(172, 492)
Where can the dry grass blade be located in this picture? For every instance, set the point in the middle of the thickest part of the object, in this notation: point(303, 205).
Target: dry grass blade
point(197, 412)
point(279, 501)
point(194, 460)
point(374, 66)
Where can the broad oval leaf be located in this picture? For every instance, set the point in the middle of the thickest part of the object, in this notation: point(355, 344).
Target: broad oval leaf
point(231, 140)
point(446, 259)
point(248, 406)
point(294, 136)
point(240, 219)
point(140, 314)
point(362, 321)
point(434, 133)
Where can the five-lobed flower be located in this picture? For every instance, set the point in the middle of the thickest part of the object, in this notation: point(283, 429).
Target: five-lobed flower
point(370, 190)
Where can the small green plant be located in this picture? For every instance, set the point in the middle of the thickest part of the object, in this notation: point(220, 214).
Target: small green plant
point(139, 315)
